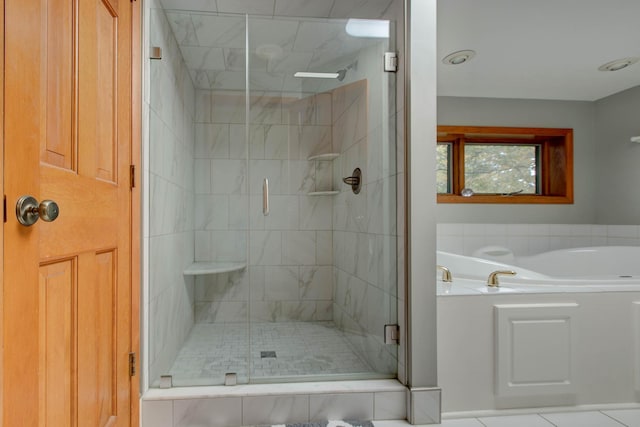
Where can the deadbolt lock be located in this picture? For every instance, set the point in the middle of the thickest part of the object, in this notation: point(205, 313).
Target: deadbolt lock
point(28, 211)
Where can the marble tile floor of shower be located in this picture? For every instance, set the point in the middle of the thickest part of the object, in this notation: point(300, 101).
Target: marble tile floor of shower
point(300, 348)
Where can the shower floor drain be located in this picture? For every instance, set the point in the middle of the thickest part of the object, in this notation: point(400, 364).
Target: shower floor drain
point(268, 354)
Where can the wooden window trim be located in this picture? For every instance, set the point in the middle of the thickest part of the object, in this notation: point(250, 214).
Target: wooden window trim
point(556, 167)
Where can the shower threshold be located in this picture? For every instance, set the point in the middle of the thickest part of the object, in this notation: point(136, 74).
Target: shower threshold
point(275, 352)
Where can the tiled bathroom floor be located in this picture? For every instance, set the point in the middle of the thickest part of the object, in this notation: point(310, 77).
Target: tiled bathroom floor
point(301, 348)
point(605, 418)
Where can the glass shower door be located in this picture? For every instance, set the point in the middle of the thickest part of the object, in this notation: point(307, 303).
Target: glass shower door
point(199, 282)
point(265, 266)
point(322, 260)
point(222, 200)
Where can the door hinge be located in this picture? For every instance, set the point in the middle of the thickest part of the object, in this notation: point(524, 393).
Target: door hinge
point(132, 176)
point(155, 53)
point(391, 334)
point(391, 62)
point(4, 209)
point(132, 364)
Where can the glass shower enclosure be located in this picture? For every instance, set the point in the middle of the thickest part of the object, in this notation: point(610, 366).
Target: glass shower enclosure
point(272, 215)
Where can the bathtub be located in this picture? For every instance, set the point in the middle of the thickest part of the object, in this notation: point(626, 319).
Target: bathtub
point(617, 265)
point(564, 332)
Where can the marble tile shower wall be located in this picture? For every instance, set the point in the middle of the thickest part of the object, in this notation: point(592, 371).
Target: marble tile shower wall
point(365, 235)
point(171, 147)
point(529, 239)
point(289, 252)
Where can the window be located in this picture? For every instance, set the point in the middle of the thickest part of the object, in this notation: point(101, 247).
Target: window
point(504, 165)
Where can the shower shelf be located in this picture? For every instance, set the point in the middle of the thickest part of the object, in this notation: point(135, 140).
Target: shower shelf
point(213, 267)
point(323, 193)
point(324, 157)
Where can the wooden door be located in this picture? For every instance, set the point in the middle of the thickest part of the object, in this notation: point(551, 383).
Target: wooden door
point(67, 288)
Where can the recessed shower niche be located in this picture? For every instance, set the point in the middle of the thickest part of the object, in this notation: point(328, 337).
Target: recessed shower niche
point(256, 245)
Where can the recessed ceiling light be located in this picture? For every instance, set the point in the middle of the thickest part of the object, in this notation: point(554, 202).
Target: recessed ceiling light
point(459, 57)
point(618, 64)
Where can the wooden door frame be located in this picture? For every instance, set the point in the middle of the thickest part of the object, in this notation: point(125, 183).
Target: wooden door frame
point(3, 192)
point(136, 202)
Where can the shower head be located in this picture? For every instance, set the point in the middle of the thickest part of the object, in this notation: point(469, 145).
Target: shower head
point(314, 75)
point(340, 74)
point(343, 72)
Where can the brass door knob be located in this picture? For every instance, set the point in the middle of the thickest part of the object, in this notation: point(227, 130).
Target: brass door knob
point(48, 210)
point(28, 210)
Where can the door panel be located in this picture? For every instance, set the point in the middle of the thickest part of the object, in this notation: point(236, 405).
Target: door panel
point(58, 147)
point(97, 348)
point(67, 284)
point(98, 106)
point(57, 334)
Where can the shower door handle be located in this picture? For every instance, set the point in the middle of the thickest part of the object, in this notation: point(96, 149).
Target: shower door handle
point(265, 197)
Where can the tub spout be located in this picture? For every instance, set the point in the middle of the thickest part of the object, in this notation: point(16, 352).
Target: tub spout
point(446, 274)
point(493, 277)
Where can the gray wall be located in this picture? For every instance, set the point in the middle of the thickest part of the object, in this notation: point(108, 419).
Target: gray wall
point(421, 296)
point(618, 186)
point(579, 115)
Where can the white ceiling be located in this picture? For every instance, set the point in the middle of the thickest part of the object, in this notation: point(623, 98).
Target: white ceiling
point(540, 49)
